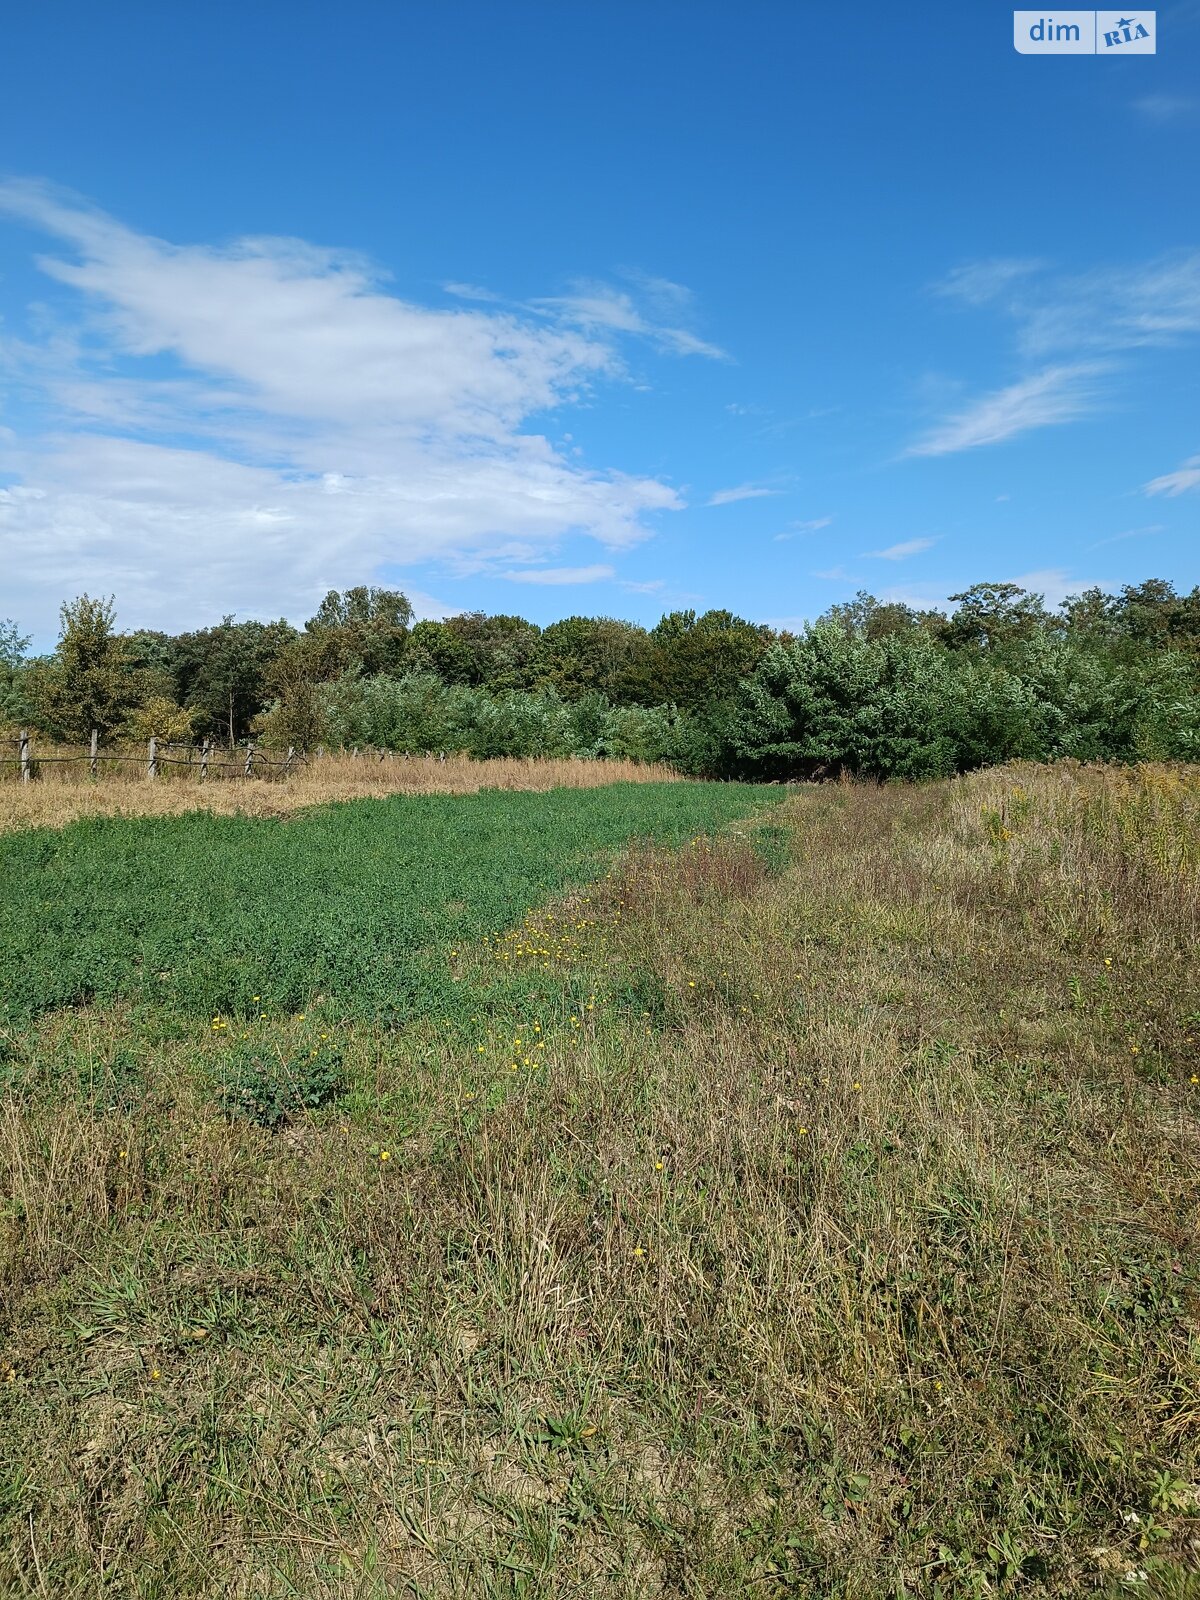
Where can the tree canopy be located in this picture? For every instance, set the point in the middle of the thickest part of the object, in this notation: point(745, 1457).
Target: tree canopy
point(873, 687)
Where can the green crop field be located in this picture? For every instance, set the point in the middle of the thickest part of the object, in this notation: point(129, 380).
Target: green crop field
point(359, 902)
point(662, 1192)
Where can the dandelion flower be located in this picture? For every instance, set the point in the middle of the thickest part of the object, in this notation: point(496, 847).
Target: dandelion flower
point(385, 1155)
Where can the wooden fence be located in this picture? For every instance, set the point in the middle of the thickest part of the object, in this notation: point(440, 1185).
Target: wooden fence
point(205, 760)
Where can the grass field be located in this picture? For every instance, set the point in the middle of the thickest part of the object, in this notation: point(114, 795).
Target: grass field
point(360, 903)
point(806, 1206)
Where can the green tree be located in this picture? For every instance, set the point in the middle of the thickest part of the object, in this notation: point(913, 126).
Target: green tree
point(580, 656)
point(831, 702)
point(365, 625)
point(222, 673)
point(693, 662)
point(14, 700)
point(992, 615)
point(865, 617)
point(89, 681)
point(295, 718)
point(477, 650)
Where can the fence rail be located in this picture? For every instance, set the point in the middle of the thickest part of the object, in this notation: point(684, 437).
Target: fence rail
point(205, 758)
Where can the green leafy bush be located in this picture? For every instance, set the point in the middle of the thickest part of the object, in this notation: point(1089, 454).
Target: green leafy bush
point(269, 1087)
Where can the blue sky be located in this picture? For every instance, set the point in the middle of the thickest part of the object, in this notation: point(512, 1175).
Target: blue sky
point(593, 308)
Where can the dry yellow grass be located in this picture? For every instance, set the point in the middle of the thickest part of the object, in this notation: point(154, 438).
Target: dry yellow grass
point(63, 793)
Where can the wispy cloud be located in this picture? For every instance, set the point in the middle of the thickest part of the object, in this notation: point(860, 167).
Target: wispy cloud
point(1054, 584)
point(595, 306)
point(1076, 322)
point(1055, 395)
point(470, 291)
point(1112, 309)
point(1166, 107)
point(812, 525)
point(834, 575)
point(264, 420)
point(1109, 309)
point(1178, 482)
point(1130, 533)
point(981, 282)
point(900, 552)
point(746, 491)
point(561, 575)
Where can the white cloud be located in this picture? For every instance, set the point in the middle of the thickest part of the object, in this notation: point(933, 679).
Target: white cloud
point(1154, 303)
point(470, 291)
point(1129, 533)
point(747, 491)
point(1110, 308)
point(1178, 482)
point(595, 306)
point(1074, 318)
point(834, 575)
point(559, 575)
point(1165, 107)
point(1054, 584)
point(1055, 395)
point(899, 552)
point(246, 426)
point(980, 282)
point(813, 525)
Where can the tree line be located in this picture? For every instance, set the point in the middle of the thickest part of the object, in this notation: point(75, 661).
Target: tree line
point(871, 687)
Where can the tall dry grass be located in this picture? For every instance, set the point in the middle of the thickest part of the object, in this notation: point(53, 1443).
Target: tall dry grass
point(63, 792)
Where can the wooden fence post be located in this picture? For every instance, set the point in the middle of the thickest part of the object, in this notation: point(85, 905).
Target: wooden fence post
point(95, 746)
point(152, 768)
point(204, 749)
point(24, 755)
point(249, 759)
point(287, 765)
